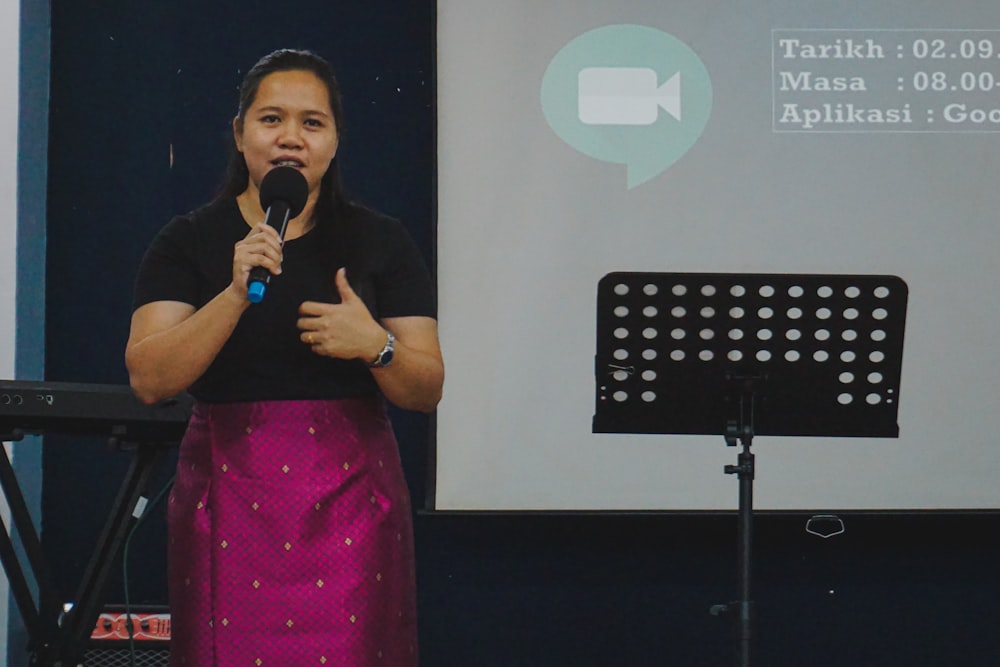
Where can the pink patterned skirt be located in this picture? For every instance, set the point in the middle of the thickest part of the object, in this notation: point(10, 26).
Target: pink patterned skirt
point(291, 539)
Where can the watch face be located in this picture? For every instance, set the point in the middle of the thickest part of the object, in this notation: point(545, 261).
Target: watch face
point(385, 356)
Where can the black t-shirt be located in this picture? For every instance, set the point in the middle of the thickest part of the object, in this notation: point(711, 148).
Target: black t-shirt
point(190, 261)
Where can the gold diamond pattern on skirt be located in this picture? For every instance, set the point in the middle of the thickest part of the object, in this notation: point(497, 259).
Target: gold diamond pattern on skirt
point(317, 568)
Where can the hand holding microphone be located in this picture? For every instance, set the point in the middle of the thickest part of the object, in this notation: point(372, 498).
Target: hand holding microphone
point(283, 194)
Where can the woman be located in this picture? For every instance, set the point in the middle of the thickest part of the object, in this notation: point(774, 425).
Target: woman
point(289, 521)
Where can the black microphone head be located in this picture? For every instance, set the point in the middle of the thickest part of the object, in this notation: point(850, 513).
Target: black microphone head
point(284, 184)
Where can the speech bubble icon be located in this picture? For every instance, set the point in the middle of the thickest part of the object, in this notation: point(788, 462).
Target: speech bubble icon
point(602, 95)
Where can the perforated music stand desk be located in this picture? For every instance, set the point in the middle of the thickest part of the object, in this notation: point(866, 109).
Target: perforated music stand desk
point(739, 355)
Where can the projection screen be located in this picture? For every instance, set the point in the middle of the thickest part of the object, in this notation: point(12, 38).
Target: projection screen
point(579, 139)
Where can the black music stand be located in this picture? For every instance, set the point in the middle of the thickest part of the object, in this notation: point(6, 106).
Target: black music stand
point(740, 355)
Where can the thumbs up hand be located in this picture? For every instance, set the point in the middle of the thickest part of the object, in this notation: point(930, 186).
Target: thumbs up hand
point(344, 330)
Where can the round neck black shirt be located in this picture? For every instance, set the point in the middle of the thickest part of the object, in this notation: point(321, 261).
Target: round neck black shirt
point(190, 261)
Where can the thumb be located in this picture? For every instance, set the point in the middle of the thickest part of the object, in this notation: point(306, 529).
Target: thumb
point(344, 287)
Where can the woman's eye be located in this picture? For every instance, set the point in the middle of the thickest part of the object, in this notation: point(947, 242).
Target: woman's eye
point(271, 118)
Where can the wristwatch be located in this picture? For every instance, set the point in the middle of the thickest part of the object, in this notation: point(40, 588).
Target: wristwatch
point(384, 357)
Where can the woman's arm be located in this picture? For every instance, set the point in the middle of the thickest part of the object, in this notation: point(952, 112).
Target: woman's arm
point(171, 344)
point(415, 378)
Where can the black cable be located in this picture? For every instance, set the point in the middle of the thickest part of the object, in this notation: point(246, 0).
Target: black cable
point(128, 609)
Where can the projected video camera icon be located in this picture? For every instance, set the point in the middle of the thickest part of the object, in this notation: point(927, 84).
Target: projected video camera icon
point(626, 96)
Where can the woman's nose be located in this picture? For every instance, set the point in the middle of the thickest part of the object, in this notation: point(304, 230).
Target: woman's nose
point(291, 135)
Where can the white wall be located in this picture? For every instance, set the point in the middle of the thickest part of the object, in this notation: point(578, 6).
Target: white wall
point(9, 34)
point(529, 222)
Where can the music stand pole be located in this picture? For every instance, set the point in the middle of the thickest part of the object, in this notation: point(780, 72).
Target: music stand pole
point(744, 470)
point(741, 428)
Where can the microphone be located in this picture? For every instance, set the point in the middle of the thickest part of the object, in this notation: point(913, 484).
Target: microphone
point(283, 193)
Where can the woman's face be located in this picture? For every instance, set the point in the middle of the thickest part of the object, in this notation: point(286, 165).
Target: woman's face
point(289, 123)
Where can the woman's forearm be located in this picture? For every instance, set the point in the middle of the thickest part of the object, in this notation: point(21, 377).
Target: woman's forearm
point(171, 345)
point(414, 380)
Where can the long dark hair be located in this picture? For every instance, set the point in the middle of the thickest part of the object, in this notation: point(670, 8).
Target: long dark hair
point(332, 198)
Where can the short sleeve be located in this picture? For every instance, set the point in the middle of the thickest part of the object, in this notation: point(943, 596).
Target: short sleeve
point(169, 269)
point(404, 286)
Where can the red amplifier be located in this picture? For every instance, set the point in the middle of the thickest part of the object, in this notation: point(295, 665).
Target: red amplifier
point(151, 626)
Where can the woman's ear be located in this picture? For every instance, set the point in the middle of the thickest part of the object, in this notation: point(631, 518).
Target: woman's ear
point(238, 133)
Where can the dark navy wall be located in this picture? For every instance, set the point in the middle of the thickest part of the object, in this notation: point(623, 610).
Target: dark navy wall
point(134, 83)
point(142, 95)
point(142, 99)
